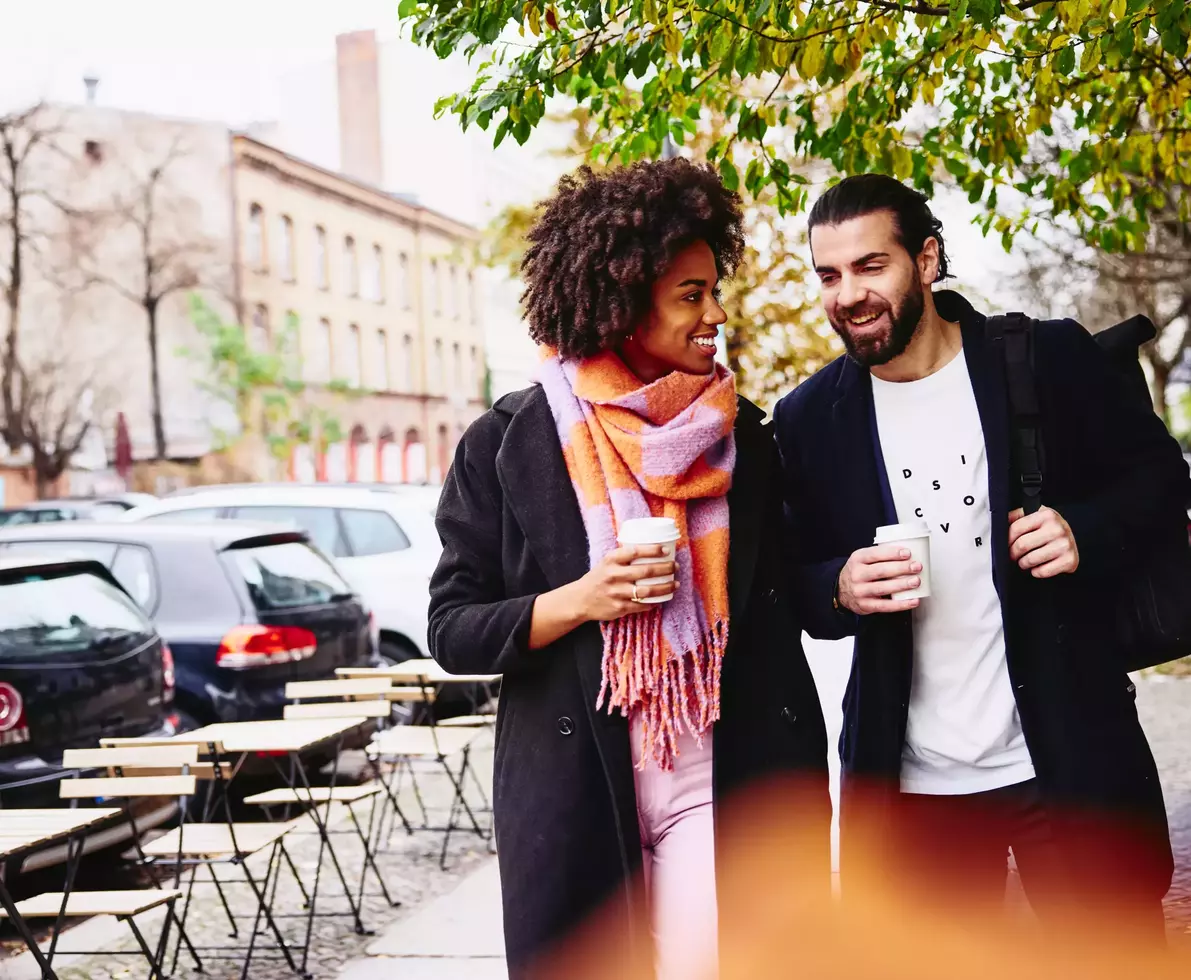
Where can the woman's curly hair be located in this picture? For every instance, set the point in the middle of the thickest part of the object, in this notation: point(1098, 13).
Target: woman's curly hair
point(599, 244)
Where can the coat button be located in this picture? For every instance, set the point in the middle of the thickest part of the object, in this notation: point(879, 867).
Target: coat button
point(565, 725)
point(788, 716)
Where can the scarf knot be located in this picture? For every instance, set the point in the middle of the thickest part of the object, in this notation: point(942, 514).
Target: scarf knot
point(664, 449)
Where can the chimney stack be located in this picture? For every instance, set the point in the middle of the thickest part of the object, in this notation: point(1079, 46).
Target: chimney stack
point(358, 66)
point(91, 81)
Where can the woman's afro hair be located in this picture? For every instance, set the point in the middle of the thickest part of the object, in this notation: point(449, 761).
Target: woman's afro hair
point(602, 241)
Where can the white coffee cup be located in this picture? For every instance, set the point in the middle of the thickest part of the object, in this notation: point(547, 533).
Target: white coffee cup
point(651, 530)
point(915, 538)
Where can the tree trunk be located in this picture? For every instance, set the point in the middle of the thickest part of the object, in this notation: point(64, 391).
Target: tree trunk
point(43, 477)
point(159, 447)
point(12, 430)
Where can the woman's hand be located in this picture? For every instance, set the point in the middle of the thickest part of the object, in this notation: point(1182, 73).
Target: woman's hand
point(604, 593)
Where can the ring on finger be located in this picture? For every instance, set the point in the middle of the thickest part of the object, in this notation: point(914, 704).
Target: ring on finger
point(636, 598)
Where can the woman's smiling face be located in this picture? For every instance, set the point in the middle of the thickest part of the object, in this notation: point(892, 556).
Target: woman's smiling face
point(679, 331)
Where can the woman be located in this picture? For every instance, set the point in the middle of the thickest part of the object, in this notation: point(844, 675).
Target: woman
point(613, 709)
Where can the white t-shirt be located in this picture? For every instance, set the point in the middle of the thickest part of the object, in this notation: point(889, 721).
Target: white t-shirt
point(964, 734)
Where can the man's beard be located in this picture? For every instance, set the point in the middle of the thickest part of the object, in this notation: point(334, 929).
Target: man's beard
point(877, 349)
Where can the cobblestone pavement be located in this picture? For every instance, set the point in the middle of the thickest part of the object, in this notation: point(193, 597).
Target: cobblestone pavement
point(1164, 705)
point(410, 867)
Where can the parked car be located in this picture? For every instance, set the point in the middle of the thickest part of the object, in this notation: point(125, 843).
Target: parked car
point(73, 509)
point(245, 608)
point(79, 661)
point(382, 538)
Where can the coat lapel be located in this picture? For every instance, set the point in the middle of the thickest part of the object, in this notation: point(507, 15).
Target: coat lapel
point(863, 481)
point(746, 503)
point(541, 495)
point(985, 368)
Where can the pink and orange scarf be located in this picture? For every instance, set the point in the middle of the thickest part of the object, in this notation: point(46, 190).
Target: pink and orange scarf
point(660, 450)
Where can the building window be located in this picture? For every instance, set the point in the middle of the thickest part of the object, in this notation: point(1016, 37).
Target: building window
point(291, 350)
point(407, 363)
point(384, 376)
point(258, 339)
point(432, 287)
point(326, 351)
point(457, 355)
point(256, 236)
point(473, 301)
point(456, 305)
point(444, 451)
point(354, 358)
point(285, 247)
point(477, 373)
point(439, 369)
point(351, 266)
point(321, 276)
point(403, 290)
point(376, 275)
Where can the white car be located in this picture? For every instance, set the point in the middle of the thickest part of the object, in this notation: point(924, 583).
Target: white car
point(383, 541)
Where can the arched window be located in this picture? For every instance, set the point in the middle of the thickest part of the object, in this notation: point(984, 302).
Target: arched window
point(321, 273)
point(259, 337)
point(351, 266)
point(256, 236)
point(285, 247)
point(384, 367)
point(353, 358)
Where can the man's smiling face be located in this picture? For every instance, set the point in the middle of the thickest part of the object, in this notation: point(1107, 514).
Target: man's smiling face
point(872, 287)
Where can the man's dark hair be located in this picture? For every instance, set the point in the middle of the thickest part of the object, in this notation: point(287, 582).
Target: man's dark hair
point(854, 197)
point(601, 242)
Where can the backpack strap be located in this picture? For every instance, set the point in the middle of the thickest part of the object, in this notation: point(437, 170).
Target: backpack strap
point(1013, 335)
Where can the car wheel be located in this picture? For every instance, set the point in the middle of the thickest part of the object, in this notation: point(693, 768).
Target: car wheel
point(394, 652)
point(397, 651)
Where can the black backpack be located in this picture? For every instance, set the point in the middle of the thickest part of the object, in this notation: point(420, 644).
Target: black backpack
point(1153, 621)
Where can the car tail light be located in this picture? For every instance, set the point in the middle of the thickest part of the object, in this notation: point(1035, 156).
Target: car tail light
point(14, 728)
point(260, 646)
point(169, 679)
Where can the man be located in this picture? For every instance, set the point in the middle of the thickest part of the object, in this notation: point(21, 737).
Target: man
point(995, 714)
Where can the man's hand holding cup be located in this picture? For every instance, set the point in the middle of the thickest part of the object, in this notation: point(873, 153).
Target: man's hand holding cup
point(891, 576)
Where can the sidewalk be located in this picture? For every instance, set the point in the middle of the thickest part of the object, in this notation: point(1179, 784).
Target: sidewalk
point(456, 937)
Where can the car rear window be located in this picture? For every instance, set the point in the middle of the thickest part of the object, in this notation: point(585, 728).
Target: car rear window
point(282, 576)
point(320, 523)
point(46, 614)
point(373, 532)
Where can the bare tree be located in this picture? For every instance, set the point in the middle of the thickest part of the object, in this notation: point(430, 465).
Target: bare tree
point(169, 251)
point(1065, 275)
point(54, 413)
point(24, 138)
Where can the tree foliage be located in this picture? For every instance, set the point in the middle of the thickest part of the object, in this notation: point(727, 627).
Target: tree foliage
point(263, 386)
point(968, 90)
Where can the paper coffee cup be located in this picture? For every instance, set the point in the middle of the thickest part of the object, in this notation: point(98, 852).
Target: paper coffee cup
point(651, 530)
point(915, 538)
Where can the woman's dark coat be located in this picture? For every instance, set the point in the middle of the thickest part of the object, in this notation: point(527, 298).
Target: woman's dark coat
point(567, 830)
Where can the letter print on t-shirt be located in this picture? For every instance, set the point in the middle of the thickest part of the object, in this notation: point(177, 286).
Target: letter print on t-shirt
point(963, 733)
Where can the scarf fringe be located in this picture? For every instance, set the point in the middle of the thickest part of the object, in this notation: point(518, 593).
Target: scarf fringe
point(672, 692)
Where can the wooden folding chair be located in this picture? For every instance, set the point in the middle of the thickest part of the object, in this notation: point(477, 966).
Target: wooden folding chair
point(406, 745)
point(190, 845)
point(121, 778)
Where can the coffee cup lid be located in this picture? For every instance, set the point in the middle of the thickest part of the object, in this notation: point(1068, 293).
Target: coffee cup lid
point(901, 532)
point(648, 530)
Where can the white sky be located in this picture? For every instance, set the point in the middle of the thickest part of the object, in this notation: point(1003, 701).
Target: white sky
point(221, 59)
